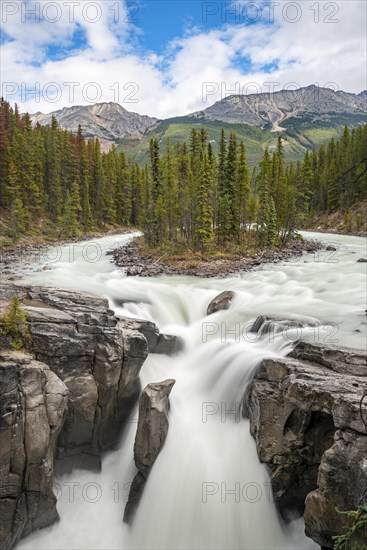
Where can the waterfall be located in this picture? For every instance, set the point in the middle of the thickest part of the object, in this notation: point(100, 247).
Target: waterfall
point(207, 488)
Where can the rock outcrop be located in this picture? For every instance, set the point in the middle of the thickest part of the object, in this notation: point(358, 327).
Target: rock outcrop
point(107, 121)
point(311, 105)
point(150, 437)
point(97, 356)
point(166, 344)
point(33, 408)
point(70, 398)
point(275, 323)
point(220, 302)
point(307, 418)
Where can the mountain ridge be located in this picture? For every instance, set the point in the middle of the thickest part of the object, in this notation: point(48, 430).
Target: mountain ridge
point(306, 117)
point(276, 107)
point(107, 120)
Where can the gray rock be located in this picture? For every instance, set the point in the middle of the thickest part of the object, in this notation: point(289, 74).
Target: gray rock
point(150, 437)
point(133, 271)
point(305, 417)
point(97, 356)
point(362, 260)
point(147, 328)
point(107, 121)
point(331, 247)
point(168, 344)
point(220, 302)
point(33, 409)
point(276, 323)
point(312, 104)
point(341, 479)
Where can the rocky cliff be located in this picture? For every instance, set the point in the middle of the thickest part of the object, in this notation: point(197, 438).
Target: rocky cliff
point(107, 121)
point(98, 358)
point(33, 404)
point(309, 105)
point(66, 401)
point(308, 418)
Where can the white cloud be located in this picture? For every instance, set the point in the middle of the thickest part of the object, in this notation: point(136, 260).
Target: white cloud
point(305, 52)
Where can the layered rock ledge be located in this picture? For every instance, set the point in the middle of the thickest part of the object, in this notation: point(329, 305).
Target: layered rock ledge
point(67, 401)
point(96, 356)
point(308, 416)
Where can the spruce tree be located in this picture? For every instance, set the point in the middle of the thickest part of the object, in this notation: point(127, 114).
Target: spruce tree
point(204, 212)
point(69, 222)
point(244, 188)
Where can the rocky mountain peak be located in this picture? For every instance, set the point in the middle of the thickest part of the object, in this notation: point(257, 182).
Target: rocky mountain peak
point(106, 121)
point(310, 105)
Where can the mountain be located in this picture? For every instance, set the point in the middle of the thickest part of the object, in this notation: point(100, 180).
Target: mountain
point(107, 121)
point(311, 106)
point(306, 117)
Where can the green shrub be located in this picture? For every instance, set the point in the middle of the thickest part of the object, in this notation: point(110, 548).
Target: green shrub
point(14, 330)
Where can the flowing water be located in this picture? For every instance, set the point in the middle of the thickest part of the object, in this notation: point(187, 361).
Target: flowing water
point(207, 488)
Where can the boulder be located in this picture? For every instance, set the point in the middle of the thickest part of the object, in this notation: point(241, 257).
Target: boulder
point(305, 416)
point(33, 409)
point(362, 260)
point(148, 329)
point(150, 437)
point(276, 323)
point(133, 271)
point(220, 302)
point(168, 344)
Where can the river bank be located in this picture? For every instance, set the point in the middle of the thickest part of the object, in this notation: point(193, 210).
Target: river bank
point(352, 222)
point(137, 261)
point(26, 253)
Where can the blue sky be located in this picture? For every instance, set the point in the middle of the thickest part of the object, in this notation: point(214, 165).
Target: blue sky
point(167, 58)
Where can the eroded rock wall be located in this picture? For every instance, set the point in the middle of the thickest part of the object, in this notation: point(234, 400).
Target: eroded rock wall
point(309, 426)
point(33, 405)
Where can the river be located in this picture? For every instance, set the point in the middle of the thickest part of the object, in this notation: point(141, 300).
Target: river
point(207, 489)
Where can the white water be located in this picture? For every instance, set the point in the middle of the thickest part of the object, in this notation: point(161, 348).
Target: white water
point(209, 452)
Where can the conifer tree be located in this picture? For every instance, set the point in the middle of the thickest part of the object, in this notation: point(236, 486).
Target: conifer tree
point(272, 224)
point(244, 188)
point(263, 190)
point(204, 212)
point(69, 222)
point(53, 171)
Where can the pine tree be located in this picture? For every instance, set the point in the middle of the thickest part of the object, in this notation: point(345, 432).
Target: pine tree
point(154, 228)
point(204, 212)
point(184, 188)
point(53, 171)
point(232, 191)
point(272, 224)
point(223, 217)
point(17, 217)
point(244, 188)
point(263, 190)
point(69, 222)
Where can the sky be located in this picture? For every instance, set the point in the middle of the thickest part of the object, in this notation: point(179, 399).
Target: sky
point(168, 58)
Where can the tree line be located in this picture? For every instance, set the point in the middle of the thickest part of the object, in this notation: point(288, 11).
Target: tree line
point(202, 199)
point(53, 176)
point(186, 195)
